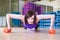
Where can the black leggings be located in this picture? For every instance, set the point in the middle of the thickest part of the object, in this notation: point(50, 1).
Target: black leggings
point(36, 28)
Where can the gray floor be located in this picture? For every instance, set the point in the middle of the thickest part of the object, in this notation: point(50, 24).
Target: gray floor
point(22, 34)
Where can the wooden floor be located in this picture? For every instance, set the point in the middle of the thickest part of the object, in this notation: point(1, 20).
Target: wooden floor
point(22, 34)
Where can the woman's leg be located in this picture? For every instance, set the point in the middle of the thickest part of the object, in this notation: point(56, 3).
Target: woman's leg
point(36, 28)
point(8, 16)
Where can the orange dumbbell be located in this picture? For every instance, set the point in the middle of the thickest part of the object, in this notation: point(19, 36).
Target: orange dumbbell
point(52, 31)
point(6, 30)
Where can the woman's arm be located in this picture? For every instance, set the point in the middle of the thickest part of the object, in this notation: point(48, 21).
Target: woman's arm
point(15, 16)
point(47, 16)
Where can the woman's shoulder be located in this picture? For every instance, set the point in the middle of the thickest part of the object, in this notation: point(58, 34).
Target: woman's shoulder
point(37, 16)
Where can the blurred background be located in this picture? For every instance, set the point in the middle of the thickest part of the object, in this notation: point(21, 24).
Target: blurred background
point(16, 7)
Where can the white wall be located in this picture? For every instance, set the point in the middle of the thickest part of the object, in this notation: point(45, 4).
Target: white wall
point(43, 3)
point(56, 5)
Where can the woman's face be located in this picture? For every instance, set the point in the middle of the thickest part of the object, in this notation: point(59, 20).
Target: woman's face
point(31, 20)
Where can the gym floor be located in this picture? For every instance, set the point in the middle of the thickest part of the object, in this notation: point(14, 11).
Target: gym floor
point(22, 34)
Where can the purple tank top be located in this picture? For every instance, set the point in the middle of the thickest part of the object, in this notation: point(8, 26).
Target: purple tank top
point(30, 26)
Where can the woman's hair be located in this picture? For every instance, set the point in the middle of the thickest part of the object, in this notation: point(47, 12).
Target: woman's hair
point(30, 13)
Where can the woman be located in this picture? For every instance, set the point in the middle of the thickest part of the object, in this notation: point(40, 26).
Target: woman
point(30, 20)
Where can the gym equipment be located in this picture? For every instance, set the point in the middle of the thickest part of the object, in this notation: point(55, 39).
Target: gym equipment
point(52, 31)
point(6, 30)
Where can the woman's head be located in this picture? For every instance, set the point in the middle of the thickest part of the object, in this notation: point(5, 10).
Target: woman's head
point(30, 17)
